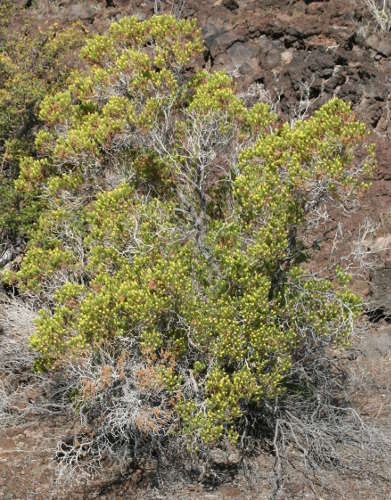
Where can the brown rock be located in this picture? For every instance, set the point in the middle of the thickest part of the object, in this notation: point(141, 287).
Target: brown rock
point(225, 457)
point(380, 290)
point(381, 43)
point(231, 4)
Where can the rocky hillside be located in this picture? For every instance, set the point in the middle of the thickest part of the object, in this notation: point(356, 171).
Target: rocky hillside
point(330, 47)
point(299, 54)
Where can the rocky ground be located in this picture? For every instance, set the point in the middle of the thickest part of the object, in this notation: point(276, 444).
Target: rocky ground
point(301, 53)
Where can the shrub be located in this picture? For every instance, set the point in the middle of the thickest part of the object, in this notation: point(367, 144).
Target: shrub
point(177, 219)
point(34, 60)
point(380, 13)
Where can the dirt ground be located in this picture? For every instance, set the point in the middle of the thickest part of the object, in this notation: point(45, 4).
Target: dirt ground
point(28, 468)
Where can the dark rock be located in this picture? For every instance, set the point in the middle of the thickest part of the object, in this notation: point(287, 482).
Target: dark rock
point(272, 59)
point(375, 90)
point(223, 457)
point(319, 60)
point(334, 82)
point(81, 11)
point(381, 43)
point(240, 52)
point(219, 40)
point(231, 4)
point(380, 290)
point(349, 92)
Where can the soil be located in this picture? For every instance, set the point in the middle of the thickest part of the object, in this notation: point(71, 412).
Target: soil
point(333, 48)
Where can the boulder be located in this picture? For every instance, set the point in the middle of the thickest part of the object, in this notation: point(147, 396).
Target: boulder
point(380, 42)
point(380, 291)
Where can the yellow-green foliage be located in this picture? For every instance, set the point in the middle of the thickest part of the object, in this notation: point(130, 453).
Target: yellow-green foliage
point(158, 230)
point(34, 61)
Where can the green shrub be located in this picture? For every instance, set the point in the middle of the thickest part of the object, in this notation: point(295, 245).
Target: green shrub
point(33, 62)
point(176, 217)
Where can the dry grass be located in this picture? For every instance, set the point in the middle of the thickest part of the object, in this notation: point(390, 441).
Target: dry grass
point(380, 11)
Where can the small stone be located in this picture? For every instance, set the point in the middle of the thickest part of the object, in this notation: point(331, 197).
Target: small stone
point(231, 4)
